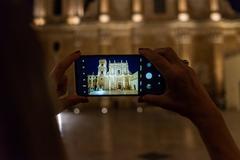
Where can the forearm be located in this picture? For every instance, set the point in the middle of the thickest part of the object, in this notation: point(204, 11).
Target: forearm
point(217, 137)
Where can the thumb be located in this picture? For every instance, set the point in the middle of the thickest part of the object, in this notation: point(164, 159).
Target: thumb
point(72, 100)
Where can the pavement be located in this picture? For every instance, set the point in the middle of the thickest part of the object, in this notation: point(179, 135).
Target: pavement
point(124, 134)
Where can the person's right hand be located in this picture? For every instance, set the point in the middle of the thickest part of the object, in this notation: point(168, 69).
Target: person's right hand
point(184, 94)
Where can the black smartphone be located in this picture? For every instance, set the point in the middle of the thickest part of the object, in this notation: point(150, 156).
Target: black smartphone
point(117, 75)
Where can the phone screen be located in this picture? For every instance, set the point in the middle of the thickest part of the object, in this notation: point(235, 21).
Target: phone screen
point(117, 75)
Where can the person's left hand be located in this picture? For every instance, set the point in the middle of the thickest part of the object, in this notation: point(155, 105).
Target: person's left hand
point(60, 80)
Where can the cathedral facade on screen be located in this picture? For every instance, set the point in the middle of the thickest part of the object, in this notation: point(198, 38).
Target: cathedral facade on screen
point(113, 76)
point(204, 32)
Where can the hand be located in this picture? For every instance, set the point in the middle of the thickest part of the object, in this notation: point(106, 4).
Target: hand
point(184, 94)
point(60, 79)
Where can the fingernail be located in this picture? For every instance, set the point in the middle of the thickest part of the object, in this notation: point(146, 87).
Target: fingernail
point(141, 50)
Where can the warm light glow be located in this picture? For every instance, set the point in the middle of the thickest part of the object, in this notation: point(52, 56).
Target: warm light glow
point(104, 110)
point(104, 18)
point(140, 109)
point(39, 21)
point(184, 17)
point(182, 5)
point(214, 5)
point(137, 6)
point(73, 20)
point(104, 6)
point(79, 8)
point(137, 17)
point(76, 110)
point(59, 120)
point(215, 16)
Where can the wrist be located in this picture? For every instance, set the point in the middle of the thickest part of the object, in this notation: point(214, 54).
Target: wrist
point(206, 115)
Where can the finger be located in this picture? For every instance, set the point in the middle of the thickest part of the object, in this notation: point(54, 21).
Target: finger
point(62, 86)
point(145, 50)
point(169, 54)
point(72, 100)
point(62, 66)
point(157, 60)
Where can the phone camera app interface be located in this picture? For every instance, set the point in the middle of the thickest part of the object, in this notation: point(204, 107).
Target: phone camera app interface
point(116, 75)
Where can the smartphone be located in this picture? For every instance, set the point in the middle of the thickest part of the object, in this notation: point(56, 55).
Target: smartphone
point(117, 75)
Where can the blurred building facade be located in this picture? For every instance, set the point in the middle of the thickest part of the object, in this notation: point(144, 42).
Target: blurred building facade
point(204, 32)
